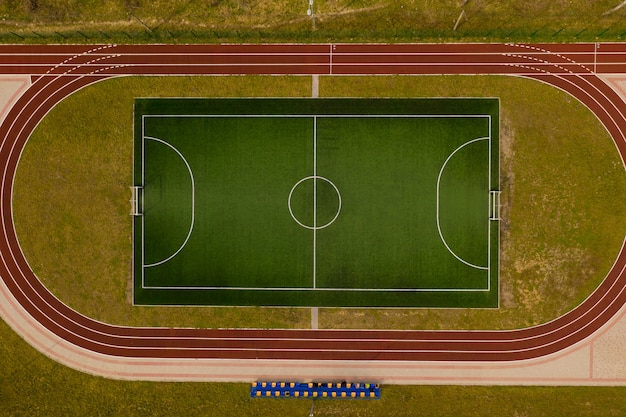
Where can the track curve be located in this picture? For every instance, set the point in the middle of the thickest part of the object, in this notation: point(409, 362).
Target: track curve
point(57, 71)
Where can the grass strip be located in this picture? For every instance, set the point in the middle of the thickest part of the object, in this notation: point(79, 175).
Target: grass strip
point(181, 21)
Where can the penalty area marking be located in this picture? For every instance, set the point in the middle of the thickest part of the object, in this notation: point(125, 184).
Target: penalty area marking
point(193, 205)
point(443, 240)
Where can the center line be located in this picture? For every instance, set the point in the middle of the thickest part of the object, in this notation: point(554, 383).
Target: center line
point(314, 199)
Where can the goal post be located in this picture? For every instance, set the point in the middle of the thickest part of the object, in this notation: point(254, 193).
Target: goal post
point(136, 199)
point(494, 206)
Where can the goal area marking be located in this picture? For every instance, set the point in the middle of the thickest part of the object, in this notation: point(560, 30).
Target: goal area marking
point(193, 200)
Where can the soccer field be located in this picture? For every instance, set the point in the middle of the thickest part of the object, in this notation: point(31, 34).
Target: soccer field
point(316, 202)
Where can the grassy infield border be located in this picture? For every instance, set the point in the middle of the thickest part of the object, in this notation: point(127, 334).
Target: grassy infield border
point(31, 384)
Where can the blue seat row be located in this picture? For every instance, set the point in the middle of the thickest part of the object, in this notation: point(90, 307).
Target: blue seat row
point(346, 390)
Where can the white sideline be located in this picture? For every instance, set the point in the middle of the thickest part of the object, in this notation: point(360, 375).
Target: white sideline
point(315, 227)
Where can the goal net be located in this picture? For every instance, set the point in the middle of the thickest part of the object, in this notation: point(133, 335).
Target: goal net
point(136, 208)
point(495, 205)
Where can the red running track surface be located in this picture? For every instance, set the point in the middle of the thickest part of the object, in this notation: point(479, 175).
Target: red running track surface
point(57, 71)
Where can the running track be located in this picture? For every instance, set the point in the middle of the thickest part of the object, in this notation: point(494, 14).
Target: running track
point(57, 71)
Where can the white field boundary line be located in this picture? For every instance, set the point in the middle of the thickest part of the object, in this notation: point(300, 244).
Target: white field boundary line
point(315, 287)
point(443, 240)
point(296, 289)
point(622, 270)
point(325, 116)
point(489, 188)
point(193, 198)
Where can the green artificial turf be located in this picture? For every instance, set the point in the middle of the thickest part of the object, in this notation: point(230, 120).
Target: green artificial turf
point(316, 202)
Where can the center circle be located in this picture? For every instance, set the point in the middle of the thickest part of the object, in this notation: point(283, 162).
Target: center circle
point(314, 202)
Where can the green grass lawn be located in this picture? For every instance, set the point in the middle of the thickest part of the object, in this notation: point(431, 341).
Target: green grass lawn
point(117, 21)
